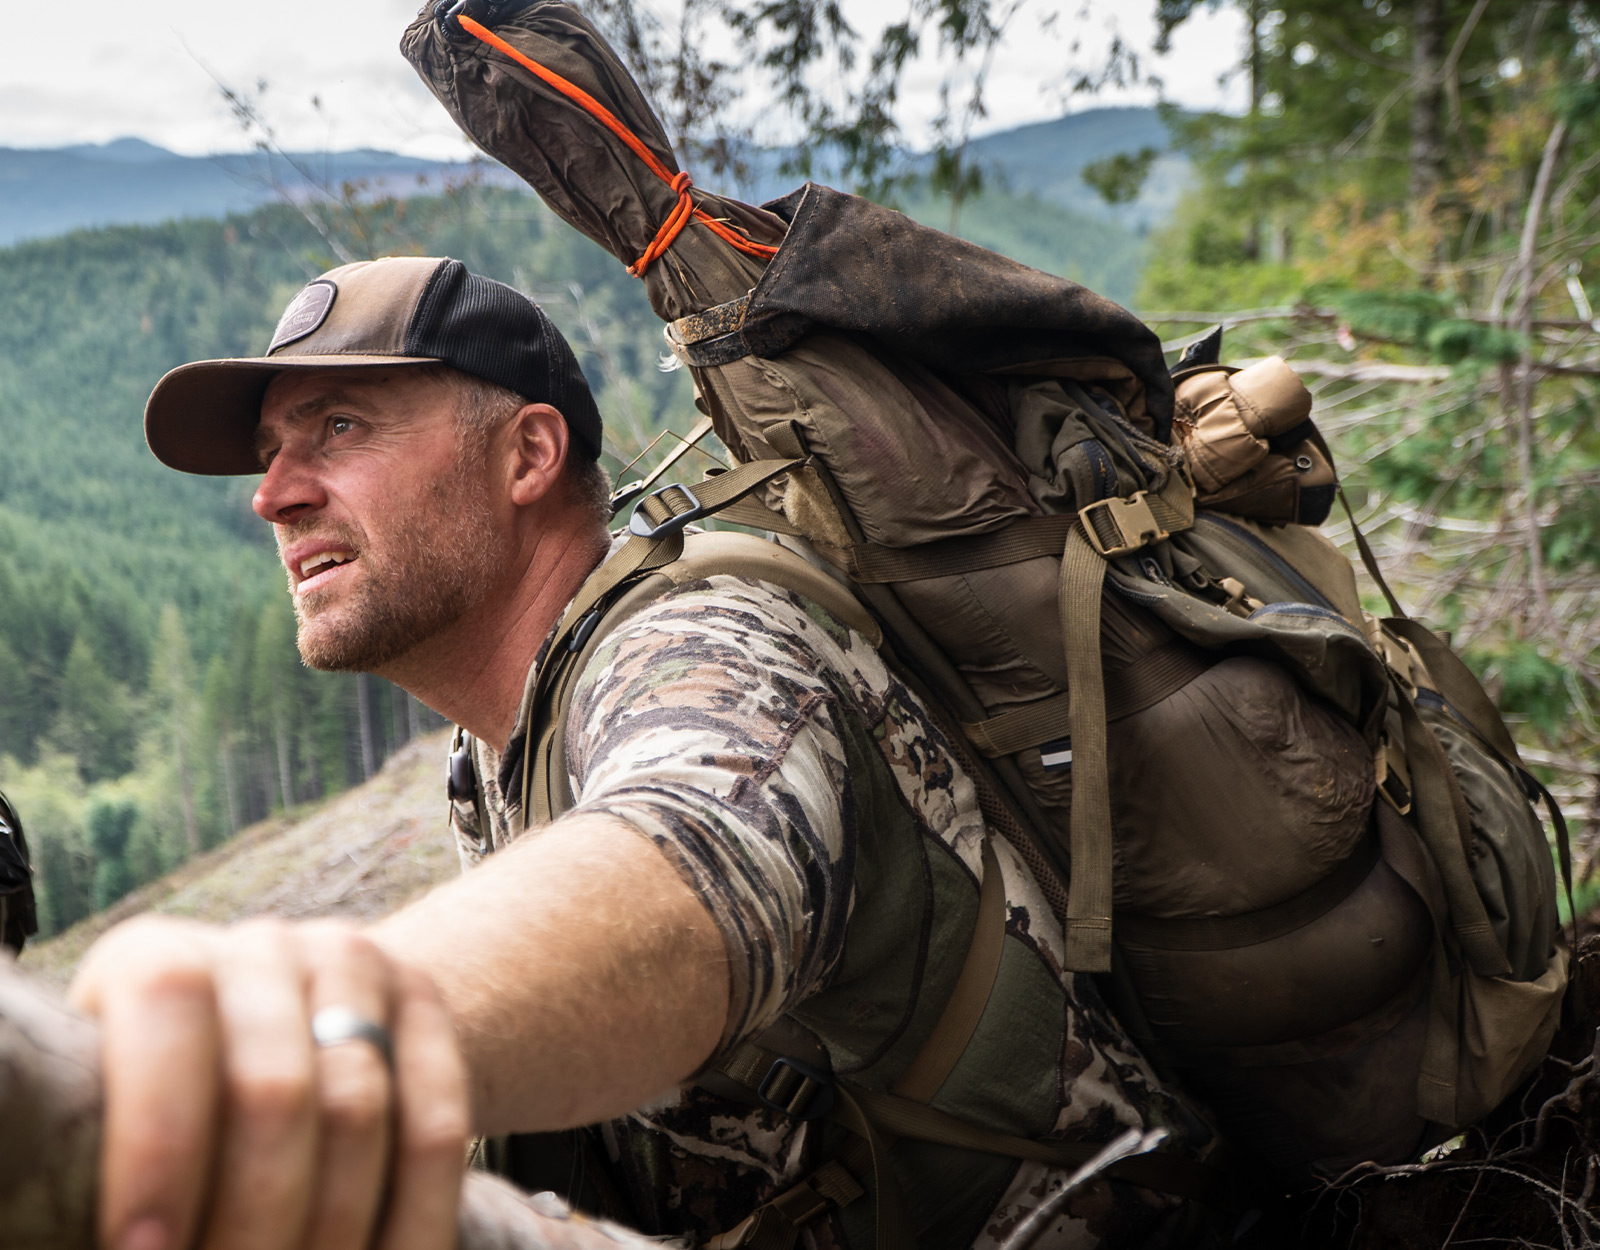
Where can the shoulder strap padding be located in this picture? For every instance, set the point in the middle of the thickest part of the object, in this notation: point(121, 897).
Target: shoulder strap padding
point(704, 555)
point(744, 555)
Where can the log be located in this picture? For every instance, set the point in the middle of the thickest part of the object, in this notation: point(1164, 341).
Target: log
point(50, 1108)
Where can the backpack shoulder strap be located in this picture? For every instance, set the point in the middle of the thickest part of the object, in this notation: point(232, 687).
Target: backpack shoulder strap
point(546, 790)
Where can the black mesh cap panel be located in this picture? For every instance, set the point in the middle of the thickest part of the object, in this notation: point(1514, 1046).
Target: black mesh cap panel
point(496, 333)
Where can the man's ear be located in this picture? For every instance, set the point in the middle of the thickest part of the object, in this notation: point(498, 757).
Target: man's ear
point(538, 452)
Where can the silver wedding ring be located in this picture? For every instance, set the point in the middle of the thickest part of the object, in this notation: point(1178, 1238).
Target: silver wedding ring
point(334, 1026)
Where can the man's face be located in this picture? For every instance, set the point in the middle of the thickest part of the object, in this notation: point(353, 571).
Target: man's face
point(383, 514)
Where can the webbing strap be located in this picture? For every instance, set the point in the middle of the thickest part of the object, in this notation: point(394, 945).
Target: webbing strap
point(1442, 819)
point(640, 554)
point(963, 1009)
point(1120, 525)
point(1083, 572)
point(758, 516)
point(1116, 527)
point(1150, 679)
point(1368, 560)
point(1458, 684)
point(1563, 847)
point(1215, 933)
point(711, 337)
point(1026, 538)
point(1166, 1173)
point(710, 323)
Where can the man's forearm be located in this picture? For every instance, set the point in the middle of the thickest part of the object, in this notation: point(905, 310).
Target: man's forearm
point(583, 974)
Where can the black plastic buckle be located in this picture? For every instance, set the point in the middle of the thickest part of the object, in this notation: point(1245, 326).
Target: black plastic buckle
point(462, 781)
point(796, 1089)
point(639, 524)
point(584, 630)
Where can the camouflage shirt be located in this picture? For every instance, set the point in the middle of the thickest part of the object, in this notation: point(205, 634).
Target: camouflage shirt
point(811, 802)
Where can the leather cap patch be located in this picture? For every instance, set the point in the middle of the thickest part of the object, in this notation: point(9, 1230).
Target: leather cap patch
point(305, 313)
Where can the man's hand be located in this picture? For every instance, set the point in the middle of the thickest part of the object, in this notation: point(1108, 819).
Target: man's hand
point(227, 1128)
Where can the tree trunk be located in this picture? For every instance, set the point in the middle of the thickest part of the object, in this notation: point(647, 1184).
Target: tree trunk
point(280, 735)
point(230, 789)
point(1427, 128)
point(369, 748)
point(1252, 229)
point(191, 826)
point(397, 716)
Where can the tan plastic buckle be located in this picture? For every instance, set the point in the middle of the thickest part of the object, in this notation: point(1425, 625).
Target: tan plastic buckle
point(1131, 519)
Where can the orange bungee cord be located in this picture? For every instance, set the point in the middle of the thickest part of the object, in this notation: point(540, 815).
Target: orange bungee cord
point(682, 212)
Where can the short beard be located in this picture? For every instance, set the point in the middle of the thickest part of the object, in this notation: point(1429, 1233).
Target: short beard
point(435, 568)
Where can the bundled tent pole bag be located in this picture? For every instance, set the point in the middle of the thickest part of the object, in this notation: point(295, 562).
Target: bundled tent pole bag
point(1295, 843)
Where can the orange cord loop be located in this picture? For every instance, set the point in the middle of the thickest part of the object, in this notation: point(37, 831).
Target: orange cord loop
point(680, 182)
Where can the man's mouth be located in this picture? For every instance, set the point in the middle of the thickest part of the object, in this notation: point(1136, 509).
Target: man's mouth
point(315, 569)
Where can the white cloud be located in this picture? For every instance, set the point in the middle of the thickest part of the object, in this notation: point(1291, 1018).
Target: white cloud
point(142, 69)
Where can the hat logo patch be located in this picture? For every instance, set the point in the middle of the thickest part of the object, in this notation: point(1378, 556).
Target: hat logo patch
point(307, 311)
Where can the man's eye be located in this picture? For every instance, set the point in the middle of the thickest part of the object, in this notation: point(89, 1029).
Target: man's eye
point(340, 425)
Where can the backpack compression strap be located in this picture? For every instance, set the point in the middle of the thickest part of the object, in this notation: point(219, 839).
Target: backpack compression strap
point(1110, 528)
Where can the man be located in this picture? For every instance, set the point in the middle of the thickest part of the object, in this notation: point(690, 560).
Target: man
point(768, 828)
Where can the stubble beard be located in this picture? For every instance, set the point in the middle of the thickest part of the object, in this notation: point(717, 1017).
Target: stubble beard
point(431, 568)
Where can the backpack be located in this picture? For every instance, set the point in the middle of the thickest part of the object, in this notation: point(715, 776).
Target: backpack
point(1335, 910)
point(1295, 842)
point(18, 914)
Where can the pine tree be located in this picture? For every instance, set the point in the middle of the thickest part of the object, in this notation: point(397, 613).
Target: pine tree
point(94, 723)
point(109, 824)
point(171, 711)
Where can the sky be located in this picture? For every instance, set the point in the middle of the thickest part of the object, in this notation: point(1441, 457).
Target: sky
point(151, 70)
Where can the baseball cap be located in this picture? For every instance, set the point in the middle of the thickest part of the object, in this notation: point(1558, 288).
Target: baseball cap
point(406, 310)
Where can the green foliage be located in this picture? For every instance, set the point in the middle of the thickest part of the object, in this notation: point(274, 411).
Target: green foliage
point(1423, 320)
point(109, 825)
point(1119, 178)
point(94, 719)
point(1529, 683)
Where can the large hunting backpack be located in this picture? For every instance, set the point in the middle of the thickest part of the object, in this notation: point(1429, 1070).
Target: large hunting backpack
point(1297, 839)
point(1295, 842)
point(18, 921)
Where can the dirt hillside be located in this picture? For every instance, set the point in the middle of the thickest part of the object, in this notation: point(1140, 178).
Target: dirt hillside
point(361, 854)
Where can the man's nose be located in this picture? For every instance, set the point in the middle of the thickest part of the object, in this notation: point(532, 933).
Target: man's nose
point(288, 490)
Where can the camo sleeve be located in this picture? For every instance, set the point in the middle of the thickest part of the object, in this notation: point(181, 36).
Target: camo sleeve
point(712, 722)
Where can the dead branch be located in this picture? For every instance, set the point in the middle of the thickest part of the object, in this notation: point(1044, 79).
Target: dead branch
point(1370, 371)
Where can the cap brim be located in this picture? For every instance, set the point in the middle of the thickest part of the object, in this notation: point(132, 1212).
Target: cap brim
point(202, 417)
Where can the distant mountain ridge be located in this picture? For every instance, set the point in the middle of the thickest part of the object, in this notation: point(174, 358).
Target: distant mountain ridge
point(129, 181)
point(49, 191)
